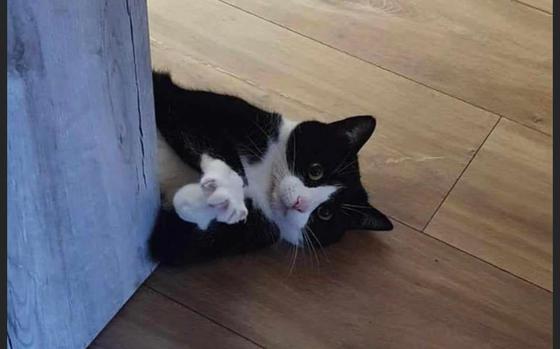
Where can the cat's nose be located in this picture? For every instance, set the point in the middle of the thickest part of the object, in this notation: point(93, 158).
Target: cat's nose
point(300, 204)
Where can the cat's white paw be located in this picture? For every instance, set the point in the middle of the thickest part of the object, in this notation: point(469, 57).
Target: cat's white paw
point(190, 204)
point(230, 209)
point(223, 188)
point(219, 195)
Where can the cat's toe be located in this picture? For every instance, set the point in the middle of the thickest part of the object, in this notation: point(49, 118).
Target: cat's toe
point(220, 204)
point(220, 198)
point(233, 214)
point(208, 185)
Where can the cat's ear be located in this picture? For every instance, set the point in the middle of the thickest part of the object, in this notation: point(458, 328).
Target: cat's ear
point(356, 129)
point(368, 218)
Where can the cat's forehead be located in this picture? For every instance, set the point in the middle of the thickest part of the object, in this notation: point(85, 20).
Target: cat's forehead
point(351, 192)
point(316, 131)
point(314, 141)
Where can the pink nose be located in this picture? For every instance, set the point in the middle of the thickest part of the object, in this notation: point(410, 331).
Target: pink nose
point(299, 205)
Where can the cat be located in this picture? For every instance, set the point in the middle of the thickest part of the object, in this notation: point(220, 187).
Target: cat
point(258, 177)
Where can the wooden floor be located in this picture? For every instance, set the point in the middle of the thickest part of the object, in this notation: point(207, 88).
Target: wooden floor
point(461, 161)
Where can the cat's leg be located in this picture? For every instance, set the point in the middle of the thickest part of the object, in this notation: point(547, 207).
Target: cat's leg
point(224, 190)
point(219, 195)
point(177, 242)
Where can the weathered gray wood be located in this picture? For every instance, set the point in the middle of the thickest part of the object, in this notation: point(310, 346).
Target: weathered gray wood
point(82, 190)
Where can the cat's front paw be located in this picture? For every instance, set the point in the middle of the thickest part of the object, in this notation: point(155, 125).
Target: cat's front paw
point(223, 188)
point(230, 207)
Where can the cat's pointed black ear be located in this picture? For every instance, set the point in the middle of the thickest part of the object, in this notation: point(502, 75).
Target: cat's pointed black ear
point(357, 129)
point(369, 218)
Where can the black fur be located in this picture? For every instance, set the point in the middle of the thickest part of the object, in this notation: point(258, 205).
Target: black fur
point(176, 242)
point(187, 120)
point(226, 127)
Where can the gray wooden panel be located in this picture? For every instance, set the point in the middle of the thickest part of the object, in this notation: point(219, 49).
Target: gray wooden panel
point(82, 188)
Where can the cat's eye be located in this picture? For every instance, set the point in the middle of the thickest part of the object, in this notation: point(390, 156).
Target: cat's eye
point(324, 213)
point(315, 172)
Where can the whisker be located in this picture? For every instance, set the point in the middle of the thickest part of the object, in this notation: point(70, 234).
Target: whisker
point(256, 147)
point(347, 172)
point(357, 206)
point(342, 163)
point(354, 210)
point(260, 128)
point(294, 155)
point(251, 152)
point(294, 260)
point(305, 242)
point(312, 248)
point(321, 248)
point(346, 166)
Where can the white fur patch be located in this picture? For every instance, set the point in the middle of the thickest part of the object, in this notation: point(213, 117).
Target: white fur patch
point(259, 175)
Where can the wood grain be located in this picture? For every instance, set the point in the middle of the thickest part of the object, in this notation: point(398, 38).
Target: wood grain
point(150, 320)
point(501, 209)
point(423, 141)
point(82, 190)
point(396, 290)
point(545, 5)
point(494, 54)
point(191, 73)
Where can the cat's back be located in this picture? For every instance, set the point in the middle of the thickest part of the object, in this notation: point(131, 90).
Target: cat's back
point(205, 117)
point(176, 104)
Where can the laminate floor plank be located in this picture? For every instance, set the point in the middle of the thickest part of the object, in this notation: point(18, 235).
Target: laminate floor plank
point(396, 290)
point(501, 208)
point(494, 54)
point(544, 5)
point(150, 320)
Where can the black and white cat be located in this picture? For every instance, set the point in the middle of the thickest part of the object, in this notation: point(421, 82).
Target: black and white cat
point(260, 177)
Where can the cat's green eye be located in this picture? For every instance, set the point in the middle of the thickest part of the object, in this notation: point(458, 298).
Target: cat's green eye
point(315, 172)
point(324, 213)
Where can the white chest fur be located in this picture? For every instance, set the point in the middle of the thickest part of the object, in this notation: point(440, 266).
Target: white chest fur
point(260, 174)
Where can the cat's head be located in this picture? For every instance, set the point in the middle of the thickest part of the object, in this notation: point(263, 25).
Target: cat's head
point(320, 196)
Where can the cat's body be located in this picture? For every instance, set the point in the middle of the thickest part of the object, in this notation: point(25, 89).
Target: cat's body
point(262, 177)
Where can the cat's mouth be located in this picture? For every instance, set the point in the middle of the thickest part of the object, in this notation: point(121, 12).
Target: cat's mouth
point(294, 201)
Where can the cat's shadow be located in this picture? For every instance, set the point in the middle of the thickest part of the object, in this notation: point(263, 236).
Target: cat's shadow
point(266, 282)
point(278, 266)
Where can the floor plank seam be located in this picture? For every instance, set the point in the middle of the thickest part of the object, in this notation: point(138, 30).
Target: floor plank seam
point(461, 174)
point(532, 7)
point(469, 254)
point(383, 68)
point(308, 106)
point(203, 315)
point(237, 77)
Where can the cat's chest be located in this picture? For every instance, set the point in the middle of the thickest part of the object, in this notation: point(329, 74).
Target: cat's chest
point(260, 174)
point(259, 179)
